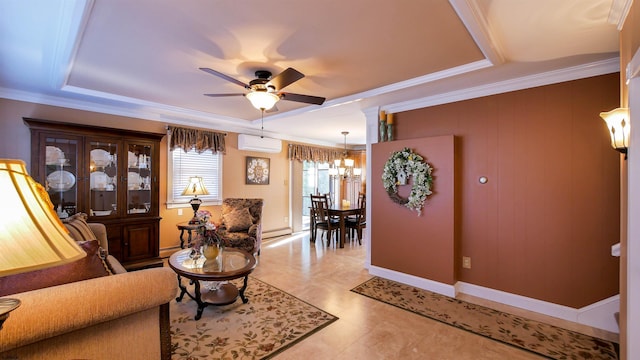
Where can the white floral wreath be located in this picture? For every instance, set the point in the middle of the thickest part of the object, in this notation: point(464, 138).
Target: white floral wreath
point(398, 168)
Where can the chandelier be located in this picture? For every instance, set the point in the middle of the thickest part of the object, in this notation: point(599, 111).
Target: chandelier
point(343, 167)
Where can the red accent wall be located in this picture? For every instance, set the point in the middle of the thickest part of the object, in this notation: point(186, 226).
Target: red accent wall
point(543, 224)
point(401, 240)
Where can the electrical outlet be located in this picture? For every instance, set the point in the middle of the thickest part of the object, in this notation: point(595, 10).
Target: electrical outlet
point(179, 212)
point(286, 219)
point(466, 262)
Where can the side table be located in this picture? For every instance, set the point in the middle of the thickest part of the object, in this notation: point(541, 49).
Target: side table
point(185, 226)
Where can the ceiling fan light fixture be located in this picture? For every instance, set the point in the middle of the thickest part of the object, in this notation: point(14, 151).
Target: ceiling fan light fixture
point(262, 100)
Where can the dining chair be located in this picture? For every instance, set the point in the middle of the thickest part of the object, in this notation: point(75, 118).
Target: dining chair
point(362, 203)
point(329, 199)
point(358, 221)
point(321, 219)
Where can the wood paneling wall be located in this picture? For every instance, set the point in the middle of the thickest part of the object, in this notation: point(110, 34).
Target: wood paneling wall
point(403, 241)
point(543, 225)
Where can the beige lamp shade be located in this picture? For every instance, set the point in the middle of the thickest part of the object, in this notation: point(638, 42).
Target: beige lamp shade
point(31, 235)
point(618, 125)
point(195, 187)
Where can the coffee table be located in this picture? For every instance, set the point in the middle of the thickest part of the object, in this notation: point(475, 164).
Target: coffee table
point(230, 264)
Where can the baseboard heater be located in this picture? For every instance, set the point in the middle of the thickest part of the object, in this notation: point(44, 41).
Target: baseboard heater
point(260, 144)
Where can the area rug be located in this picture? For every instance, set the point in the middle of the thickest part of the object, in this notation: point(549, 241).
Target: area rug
point(269, 323)
point(544, 339)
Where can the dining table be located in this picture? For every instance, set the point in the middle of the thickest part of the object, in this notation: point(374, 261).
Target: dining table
point(342, 212)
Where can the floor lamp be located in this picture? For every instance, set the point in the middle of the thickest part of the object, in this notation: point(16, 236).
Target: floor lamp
point(32, 237)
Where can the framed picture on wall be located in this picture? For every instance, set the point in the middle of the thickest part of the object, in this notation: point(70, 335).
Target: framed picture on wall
point(257, 171)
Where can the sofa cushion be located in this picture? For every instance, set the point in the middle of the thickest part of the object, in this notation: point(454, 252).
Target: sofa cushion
point(89, 267)
point(78, 227)
point(238, 220)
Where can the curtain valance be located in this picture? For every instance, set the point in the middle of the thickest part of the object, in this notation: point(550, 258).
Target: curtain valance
point(310, 153)
point(200, 140)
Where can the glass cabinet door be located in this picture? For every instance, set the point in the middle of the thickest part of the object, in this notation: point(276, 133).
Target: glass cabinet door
point(61, 173)
point(139, 178)
point(103, 177)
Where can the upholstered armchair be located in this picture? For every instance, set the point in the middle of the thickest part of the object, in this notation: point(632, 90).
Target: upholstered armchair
point(241, 225)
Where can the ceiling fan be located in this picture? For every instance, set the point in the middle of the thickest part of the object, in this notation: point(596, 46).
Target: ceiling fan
point(266, 91)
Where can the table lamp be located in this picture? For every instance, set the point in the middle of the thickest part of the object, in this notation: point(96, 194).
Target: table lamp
point(195, 188)
point(32, 237)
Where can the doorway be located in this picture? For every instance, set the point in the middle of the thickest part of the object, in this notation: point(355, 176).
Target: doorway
point(315, 180)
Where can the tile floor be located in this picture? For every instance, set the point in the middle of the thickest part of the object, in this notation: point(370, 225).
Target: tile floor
point(368, 329)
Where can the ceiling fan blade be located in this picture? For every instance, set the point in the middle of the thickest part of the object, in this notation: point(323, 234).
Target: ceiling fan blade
point(222, 95)
point(286, 78)
point(316, 100)
point(226, 77)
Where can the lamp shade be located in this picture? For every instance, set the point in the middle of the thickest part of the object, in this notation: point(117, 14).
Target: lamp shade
point(195, 187)
point(262, 100)
point(31, 235)
point(618, 124)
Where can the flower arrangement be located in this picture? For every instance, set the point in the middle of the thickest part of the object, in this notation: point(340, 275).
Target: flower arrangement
point(207, 231)
point(400, 166)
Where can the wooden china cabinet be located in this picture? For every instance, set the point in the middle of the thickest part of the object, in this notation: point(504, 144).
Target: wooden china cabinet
point(109, 174)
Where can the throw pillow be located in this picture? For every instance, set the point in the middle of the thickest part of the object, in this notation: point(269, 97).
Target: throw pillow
point(238, 220)
point(78, 227)
point(89, 267)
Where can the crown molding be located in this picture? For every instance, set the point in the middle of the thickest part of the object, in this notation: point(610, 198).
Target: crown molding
point(174, 115)
point(476, 23)
point(618, 12)
point(525, 82)
point(439, 75)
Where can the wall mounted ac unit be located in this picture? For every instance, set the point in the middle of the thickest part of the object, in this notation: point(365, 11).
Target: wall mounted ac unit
point(257, 143)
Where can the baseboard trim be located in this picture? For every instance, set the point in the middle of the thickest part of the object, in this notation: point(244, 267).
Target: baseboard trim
point(167, 252)
point(277, 232)
point(600, 315)
point(422, 283)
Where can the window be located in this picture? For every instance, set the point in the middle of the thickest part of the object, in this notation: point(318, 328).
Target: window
point(184, 165)
point(316, 180)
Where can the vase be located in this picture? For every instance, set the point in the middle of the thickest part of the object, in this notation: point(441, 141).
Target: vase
point(389, 132)
point(210, 251)
point(383, 128)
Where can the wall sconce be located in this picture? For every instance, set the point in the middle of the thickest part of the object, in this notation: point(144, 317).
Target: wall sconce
point(618, 124)
point(195, 188)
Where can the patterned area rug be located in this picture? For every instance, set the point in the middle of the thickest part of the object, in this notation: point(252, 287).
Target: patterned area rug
point(546, 340)
point(269, 323)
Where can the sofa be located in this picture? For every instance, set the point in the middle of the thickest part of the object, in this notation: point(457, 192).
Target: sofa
point(241, 225)
point(119, 315)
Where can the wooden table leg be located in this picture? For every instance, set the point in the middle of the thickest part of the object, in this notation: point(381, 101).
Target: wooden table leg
point(183, 290)
point(244, 287)
point(198, 299)
point(182, 239)
point(342, 230)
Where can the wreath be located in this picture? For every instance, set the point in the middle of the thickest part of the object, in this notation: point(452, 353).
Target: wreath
point(397, 170)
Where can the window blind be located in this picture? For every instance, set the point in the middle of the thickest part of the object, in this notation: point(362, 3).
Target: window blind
point(187, 164)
